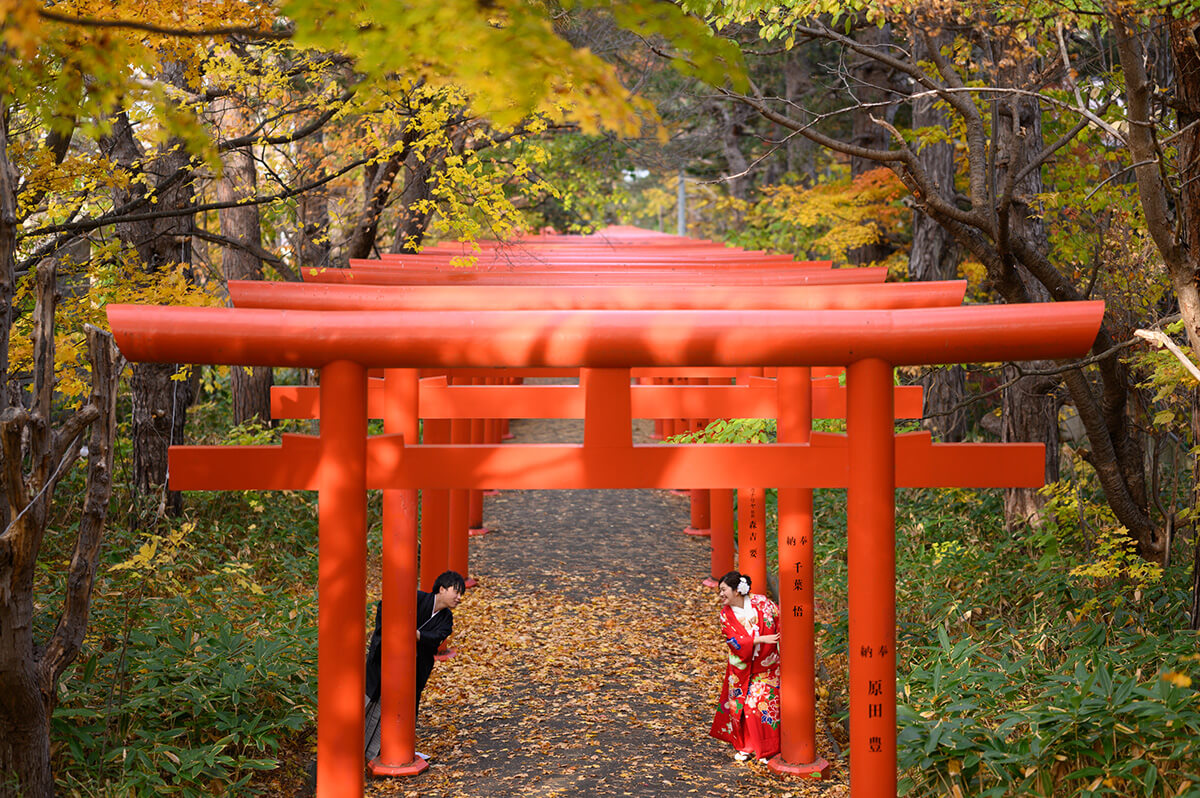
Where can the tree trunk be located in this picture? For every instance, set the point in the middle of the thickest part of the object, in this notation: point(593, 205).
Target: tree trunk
point(871, 86)
point(733, 118)
point(945, 392)
point(36, 454)
point(24, 725)
point(800, 152)
point(314, 217)
point(378, 180)
point(251, 386)
point(934, 256)
point(160, 402)
point(1185, 50)
point(24, 722)
point(1185, 268)
point(1194, 613)
point(8, 267)
point(1029, 411)
point(415, 208)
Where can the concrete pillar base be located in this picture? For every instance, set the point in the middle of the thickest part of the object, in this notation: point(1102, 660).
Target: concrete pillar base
point(418, 765)
point(817, 769)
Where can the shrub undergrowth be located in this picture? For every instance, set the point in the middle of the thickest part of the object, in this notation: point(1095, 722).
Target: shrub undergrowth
point(1033, 663)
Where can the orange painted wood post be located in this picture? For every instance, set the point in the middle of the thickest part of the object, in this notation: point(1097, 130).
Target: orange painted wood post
point(721, 523)
point(871, 533)
point(700, 516)
point(475, 504)
point(460, 505)
point(341, 580)
point(752, 537)
point(397, 700)
point(682, 425)
point(751, 531)
point(797, 638)
point(435, 512)
point(505, 433)
point(700, 500)
point(492, 430)
point(660, 425)
point(673, 427)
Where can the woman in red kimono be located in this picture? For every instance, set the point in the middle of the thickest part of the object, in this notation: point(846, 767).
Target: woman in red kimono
point(748, 715)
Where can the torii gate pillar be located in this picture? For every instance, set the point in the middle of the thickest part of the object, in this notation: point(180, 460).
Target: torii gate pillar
point(871, 543)
point(797, 588)
point(341, 578)
point(397, 702)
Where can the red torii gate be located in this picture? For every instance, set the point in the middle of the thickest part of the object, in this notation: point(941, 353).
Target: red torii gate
point(342, 463)
point(299, 402)
point(693, 286)
point(347, 297)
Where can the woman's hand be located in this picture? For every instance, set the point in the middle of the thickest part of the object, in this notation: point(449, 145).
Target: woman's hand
point(418, 635)
point(771, 639)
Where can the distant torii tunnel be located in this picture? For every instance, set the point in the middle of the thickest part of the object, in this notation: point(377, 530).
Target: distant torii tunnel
point(342, 463)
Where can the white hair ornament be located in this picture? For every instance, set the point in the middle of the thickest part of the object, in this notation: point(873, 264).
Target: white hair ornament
point(743, 587)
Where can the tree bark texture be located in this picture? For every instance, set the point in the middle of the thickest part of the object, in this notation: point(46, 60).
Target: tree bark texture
point(1029, 413)
point(1029, 409)
point(314, 216)
point(945, 392)
point(934, 256)
point(160, 401)
point(415, 210)
point(37, 455)
point(251, 386)
point(733, 120)
point(378, 180)
point(8, 277)
point(800, 152)
point(1185, 271)
point(870, 86)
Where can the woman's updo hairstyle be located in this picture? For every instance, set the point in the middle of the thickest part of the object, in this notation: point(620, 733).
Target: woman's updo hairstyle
point(739, 583)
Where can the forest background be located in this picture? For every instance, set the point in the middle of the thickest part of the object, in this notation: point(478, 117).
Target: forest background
point(1044, 151)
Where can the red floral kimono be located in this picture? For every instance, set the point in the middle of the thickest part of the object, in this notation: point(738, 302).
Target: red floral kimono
point(748, 715)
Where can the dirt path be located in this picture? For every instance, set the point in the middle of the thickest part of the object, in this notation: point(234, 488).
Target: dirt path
point(588, 660)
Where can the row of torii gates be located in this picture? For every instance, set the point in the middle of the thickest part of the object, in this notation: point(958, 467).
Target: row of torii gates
point(615, 306)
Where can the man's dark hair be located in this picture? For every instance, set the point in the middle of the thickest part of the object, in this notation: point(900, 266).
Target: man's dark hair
point(450, 579)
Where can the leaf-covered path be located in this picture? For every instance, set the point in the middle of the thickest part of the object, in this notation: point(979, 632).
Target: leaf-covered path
point(588, 660)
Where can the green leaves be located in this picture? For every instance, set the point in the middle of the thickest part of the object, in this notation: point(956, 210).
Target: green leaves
point(197, 699)
point(507, 55)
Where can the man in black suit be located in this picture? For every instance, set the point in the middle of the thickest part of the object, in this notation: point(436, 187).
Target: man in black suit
point(435, 622)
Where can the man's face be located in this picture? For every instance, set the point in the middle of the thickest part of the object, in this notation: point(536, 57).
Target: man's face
point(450, 596)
